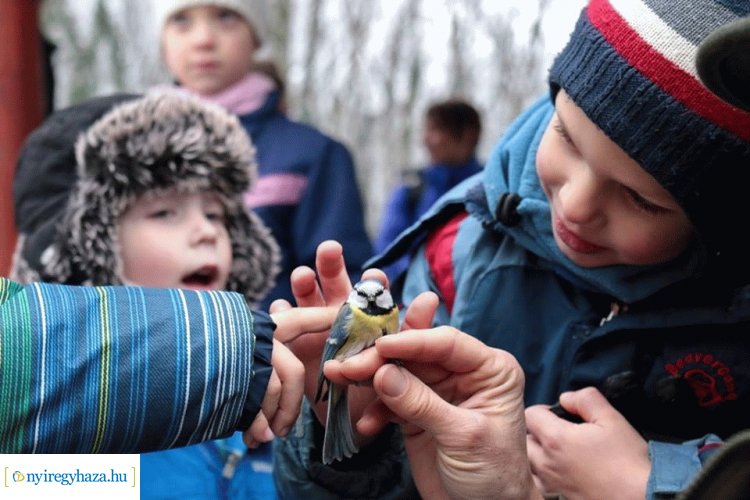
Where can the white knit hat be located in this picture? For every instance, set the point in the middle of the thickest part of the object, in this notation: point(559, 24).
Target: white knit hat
point(253, 11)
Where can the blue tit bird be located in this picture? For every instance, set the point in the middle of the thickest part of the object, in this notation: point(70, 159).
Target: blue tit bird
point(367, 314)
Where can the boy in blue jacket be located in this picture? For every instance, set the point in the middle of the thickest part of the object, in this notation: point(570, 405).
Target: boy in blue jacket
point(600, 247)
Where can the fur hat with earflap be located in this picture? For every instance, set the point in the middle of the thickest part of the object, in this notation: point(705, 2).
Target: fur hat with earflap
point(165, 140)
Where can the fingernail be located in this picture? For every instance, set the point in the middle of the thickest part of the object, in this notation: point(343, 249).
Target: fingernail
point(269, 435)
point(394, 382)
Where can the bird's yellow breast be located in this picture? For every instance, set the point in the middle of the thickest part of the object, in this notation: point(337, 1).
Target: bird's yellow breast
point(373, 326)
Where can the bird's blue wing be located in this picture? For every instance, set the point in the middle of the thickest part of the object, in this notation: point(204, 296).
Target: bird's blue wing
point(337, 338)
point(338, 335)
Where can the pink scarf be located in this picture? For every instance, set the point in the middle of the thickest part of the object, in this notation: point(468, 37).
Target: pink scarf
point(245, 96)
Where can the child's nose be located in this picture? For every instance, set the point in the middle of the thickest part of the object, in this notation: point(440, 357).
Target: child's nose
point(202, 229)
point(580, 200)
point(204, 33)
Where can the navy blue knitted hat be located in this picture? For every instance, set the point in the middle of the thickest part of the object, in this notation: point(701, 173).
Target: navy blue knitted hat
point(630, 65)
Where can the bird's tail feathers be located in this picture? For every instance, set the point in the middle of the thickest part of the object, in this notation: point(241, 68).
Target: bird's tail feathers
point(339, 439)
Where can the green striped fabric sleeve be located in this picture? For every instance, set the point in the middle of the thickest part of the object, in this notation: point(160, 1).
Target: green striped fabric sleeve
point(120, 369)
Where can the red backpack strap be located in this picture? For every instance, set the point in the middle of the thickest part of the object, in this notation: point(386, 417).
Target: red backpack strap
point(439, 254)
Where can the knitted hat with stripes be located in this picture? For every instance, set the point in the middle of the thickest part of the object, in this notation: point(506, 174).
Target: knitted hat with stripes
point(630, 65)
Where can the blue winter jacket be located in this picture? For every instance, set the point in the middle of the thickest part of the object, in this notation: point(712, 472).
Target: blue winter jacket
point(667, 345)
point(408, 202)
point(306, 193)
point(214, 470)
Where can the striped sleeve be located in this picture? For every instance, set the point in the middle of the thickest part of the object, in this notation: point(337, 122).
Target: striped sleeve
point(120, 369)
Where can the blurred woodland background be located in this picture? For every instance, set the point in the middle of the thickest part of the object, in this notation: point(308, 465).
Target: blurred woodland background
point(364, 71)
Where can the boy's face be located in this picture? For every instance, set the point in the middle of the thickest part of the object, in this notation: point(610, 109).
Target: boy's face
point(605, 208)
point(444, 147)
point(207, 48)
point(175, 240)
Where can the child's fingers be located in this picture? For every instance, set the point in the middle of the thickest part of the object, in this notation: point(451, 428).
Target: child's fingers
point(375, 274)
point(542, 424)
point(305, 288)
point(290, 373)
point(292, 323)
point(279, 305)
point(589, 403)
point(272, 396)
point(332, 273)
point(259, 432)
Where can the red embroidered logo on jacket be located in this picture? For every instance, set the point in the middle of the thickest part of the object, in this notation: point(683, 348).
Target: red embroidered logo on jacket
point(710, 379)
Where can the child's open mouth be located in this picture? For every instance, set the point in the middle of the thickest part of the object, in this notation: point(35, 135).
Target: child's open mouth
point(204, 277)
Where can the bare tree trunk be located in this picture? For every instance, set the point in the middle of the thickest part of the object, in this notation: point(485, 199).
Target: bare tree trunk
point(311, 40)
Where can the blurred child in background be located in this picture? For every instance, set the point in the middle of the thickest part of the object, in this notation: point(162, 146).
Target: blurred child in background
point(451, 133)
point(306, 190)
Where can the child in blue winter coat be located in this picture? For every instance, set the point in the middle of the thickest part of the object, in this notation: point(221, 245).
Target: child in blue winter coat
point(602, 246)
point(156, 201)
point(452, 129)
point(306, 190)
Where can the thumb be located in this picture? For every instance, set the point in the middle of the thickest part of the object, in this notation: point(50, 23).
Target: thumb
point(410, 399)
point(588, 403)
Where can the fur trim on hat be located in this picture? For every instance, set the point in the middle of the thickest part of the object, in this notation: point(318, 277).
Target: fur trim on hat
point(45, 176)
point(162, 141)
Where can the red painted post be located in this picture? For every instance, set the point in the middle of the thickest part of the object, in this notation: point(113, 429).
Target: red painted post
point(21, 103)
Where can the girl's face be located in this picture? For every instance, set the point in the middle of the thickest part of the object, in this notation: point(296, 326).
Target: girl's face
point(207, 48)
point(605, 208)
point(175, 240)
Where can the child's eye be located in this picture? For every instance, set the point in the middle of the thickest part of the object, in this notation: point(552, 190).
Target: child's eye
point(215, 215)
point(643, 204)
point(179, 20)
point(162, 213)
point(563, 133)
point(228, 15)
